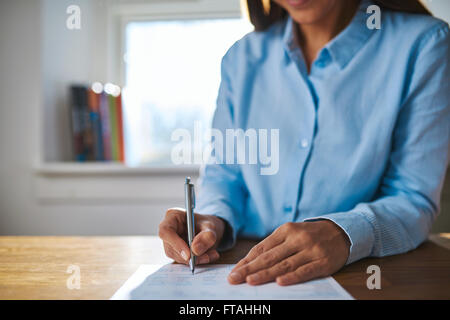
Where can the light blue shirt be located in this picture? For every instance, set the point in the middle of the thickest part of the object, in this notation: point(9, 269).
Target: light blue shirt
point(363, 138)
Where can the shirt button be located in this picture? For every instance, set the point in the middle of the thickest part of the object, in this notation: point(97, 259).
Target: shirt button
point(304, 143)
point(287, 208)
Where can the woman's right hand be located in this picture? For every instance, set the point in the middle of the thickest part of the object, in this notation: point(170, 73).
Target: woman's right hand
point(208, 234)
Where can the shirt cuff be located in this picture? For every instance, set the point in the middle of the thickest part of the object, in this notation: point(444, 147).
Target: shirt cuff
point(230, 232)
point(358, 230)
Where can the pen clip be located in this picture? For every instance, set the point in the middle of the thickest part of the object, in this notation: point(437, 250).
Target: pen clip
point(190, 192)
point(192, 196)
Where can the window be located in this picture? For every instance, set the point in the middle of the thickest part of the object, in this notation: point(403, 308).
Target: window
point(172, 77)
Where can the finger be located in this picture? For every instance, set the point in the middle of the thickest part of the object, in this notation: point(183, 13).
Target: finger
point(213, 255)
point(283, 267)
point(169, 236)
point(176, 218)
point(203, 223)
point(203, 241)
point(208, 257)
point(203, 259)
point(264, 261)
point(268, 243)
point(173, 254)
point(304, 273)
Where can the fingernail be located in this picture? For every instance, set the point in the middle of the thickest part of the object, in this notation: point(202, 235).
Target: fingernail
point(253, 278)
point(280, 281)
point(184, 255)
point(236, 277)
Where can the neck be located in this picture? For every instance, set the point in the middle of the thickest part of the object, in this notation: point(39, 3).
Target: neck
point(312, 37)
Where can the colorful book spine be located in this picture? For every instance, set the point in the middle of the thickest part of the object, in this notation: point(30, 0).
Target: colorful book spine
point(106, 131)
point(78, 102)
point(120, 133)
point(97, 123)
point(114, 128)
point(94, 108)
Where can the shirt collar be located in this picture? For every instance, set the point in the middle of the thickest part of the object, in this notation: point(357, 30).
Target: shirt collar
point(346, 44)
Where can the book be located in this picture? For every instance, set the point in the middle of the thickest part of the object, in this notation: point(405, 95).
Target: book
point(78, 109)
point(114, 127)
point(106, 132)
point(97, 123)
point(94, 113)
point(120, 133)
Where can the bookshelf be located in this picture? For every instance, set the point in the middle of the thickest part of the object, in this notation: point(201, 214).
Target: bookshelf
point(111, 169)
point(109, 183)
point(103, 29)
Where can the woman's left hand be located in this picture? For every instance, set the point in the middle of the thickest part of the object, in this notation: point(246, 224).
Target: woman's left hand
point(294, 253)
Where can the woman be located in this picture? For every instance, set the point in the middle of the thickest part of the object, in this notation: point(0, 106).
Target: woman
point(363, 117)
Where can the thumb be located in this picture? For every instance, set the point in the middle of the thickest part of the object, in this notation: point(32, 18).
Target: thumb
point(203, 241)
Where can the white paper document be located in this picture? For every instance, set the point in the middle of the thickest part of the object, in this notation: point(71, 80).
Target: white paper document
point(176, 282)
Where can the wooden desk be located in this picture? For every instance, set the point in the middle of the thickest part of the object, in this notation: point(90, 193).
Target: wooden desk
point(35, 267)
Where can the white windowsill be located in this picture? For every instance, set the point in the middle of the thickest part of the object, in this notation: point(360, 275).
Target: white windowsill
point(107, 183)
point(111, 168)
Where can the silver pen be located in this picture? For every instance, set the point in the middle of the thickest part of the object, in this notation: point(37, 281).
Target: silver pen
point(189, 194)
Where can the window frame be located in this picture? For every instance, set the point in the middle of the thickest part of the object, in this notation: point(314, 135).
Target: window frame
point(120, 15)
point(103, 183)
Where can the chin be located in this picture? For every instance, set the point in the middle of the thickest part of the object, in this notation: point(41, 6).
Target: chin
point(302, 17)
point(307, 11)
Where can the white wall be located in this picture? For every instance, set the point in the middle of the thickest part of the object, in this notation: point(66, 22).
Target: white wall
point(68, 56)
point(440, 8)
point(39, 56)
point(20, 97)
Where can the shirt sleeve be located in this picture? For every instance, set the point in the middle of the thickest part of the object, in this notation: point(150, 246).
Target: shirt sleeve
point(222, 190)
point(407, 202)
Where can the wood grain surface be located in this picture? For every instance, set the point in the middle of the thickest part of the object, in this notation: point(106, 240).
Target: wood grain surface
point(36, 267)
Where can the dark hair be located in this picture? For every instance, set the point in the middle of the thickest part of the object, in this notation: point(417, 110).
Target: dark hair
point(262, 20)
